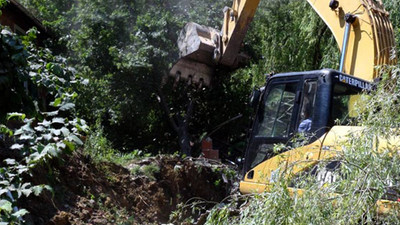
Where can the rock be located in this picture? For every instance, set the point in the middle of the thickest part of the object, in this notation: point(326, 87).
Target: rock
point(61, 218)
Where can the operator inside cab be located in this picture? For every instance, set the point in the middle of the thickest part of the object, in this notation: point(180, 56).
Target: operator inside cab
point(306, 115)
point(305, 125)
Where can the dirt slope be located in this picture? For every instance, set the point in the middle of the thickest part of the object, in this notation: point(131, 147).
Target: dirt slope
point(146, 191)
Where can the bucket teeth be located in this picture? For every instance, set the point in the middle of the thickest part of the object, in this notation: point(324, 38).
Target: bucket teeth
point(192, 72)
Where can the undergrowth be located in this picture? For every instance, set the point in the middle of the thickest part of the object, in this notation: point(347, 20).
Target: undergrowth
point(100, 149)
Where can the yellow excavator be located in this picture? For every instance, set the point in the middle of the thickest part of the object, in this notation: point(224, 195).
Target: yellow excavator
point(318, 104)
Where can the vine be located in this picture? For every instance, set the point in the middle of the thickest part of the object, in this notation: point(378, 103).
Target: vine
point(45, 125)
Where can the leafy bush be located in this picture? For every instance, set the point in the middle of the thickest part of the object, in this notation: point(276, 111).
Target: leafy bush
point(38, 135)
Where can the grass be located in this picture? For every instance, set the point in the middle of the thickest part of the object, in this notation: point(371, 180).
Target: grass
point(100, 149)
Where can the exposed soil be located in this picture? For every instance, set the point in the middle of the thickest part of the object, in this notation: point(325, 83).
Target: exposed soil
point(146, 191)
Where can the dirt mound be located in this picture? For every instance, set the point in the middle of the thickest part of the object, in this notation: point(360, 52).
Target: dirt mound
point(146, 191)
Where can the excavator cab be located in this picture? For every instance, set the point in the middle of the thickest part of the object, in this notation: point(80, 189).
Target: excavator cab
point(303, 104)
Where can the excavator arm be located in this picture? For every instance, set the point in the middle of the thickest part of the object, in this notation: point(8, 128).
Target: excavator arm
point(361, 29)
point(370, 39)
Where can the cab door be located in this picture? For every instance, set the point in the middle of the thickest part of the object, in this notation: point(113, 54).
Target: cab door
point(276, 119)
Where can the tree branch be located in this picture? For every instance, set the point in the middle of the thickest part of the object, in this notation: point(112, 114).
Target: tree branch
point(317, 50)
point(223, 124)
point(164, 105)
point(189, 110)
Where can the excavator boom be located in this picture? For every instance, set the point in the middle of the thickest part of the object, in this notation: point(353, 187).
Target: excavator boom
point(367, 41)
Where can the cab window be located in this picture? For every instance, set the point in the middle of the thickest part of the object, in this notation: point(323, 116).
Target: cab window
point(276, 117)
point(343, 101)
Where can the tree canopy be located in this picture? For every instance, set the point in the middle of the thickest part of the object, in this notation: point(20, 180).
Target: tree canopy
point(124, 48)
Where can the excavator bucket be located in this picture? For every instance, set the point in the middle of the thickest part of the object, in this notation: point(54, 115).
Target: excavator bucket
point(198, 52)
point(203, 49)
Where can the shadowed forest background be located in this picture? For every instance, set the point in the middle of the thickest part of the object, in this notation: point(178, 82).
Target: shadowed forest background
point(124, 48)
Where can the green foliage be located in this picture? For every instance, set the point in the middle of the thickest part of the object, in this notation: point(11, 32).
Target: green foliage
point(393, 8)
point(13, 58)
point(100, 149)
point(149, 171)
point(37, 135)
point(52, 13)
point(279, 27)
point(119, 57)
point(98, 146)
point(124, 49)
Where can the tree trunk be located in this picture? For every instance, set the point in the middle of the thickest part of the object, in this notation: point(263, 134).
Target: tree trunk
point(184, 140)
point(179, 123)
